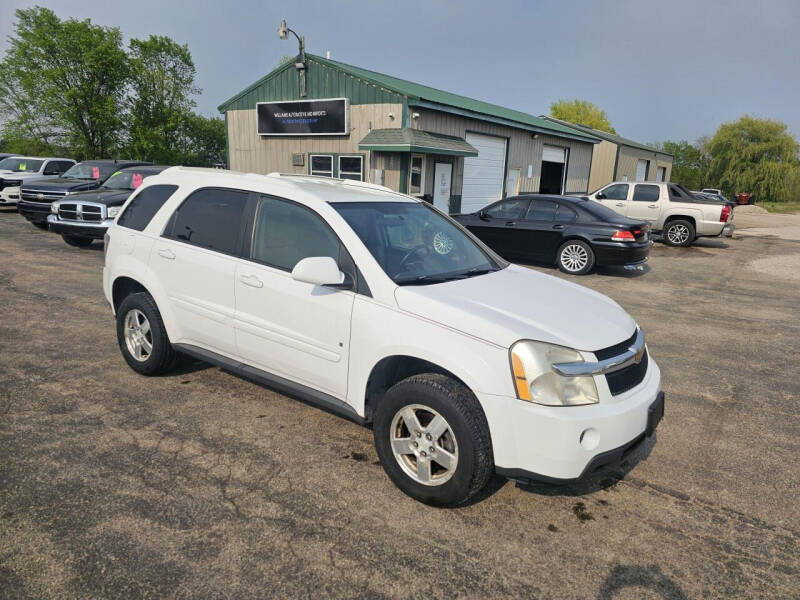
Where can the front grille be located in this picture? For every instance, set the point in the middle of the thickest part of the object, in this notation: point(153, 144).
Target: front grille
point(12, 182)
point(68, 212)
point(92, 213)
point(78, 211)
point(616, 349)
point(628, 378)
point(46, 196)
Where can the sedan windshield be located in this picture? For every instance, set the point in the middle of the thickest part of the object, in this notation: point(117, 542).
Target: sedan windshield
point(414, 244)
point(20, 165)
point(90, 171)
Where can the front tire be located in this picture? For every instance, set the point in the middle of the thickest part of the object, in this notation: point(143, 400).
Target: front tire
point(679, 233)
point(77, 241)
point(433, 440)
point(142, 336)
point(575, 257)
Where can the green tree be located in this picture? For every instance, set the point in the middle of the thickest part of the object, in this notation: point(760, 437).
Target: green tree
point(758, 156)
point(162, 87)
point(63, 83)
point(581, 112)
point(689, 164)
point(205, 143)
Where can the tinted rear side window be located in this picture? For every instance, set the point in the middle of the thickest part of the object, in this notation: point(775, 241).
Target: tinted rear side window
point(210, 218)
point(565, 214)
point(542, 210)
point(144, 206)
point(646, 193)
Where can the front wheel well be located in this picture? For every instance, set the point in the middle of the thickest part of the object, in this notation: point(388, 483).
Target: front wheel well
point(124, 287)
point(393, 369)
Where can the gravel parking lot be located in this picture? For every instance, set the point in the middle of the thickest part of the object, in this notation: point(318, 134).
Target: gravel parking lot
point(204, 485)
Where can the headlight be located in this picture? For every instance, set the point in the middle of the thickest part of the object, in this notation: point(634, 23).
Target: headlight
point(54, 207)
point(113, 211)
point(536, 381)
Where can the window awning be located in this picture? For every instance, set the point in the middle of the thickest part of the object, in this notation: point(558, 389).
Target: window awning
point(414, 140)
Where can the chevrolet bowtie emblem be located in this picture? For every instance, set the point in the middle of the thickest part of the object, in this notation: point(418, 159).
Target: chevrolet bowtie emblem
point(40, 196)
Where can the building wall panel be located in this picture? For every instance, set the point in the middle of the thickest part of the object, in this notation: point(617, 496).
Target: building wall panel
point(628, 157)
point(603, 159)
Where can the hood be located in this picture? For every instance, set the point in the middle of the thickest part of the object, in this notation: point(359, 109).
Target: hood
point(25, 175)
point(517, 303)
point(63, 184)
point(102, 196)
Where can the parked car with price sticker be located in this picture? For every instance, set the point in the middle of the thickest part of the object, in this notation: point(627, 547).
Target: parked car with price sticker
point(37, 196)
point(16, 170)
point(84, 217)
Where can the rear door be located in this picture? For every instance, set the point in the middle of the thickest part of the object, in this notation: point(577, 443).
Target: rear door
point(195, 260)
point(644, 203)
point(293, 329)
point(542, 232)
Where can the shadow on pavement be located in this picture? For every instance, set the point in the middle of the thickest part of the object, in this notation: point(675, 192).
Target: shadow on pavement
point(642, 577)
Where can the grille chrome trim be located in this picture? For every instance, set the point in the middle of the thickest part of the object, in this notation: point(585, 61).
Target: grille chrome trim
point(81, 212)
point(633, 355)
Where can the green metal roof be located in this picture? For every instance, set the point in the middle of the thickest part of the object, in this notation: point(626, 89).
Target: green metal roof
point(387, 85)
point(609, 137)
point(414, 140)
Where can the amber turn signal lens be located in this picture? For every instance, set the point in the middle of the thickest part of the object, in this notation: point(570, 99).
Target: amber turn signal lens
point(523, 393)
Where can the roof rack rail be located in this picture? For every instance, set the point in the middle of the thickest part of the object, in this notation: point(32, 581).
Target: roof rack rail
point(348, 182)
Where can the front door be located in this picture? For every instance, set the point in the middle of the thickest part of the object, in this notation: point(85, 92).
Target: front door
point(293, 329)
point(497, 226)
point(442, 177)
point(615, 197)
point(194, 259)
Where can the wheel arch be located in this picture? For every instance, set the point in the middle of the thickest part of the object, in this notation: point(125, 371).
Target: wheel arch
point(124, 284)
point(392, 369)
point(681, 217)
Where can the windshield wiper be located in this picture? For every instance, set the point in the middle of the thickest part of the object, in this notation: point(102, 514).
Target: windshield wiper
point(427, 279)
point(478, 271)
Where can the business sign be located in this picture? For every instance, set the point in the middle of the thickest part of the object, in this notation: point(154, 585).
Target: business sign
point(304, 117)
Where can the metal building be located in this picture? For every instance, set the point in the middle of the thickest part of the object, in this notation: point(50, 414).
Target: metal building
point(619, 159)
point(327, 118)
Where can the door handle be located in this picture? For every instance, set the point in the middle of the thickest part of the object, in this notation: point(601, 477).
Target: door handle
point(558, 227)
point(620, 204)
point(510, 223)
point(251, 280)
point(652, 206)
point(166, 253)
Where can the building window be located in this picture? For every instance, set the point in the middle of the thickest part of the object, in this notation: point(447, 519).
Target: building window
point(351, 167)
point(416, 175)
point(321, 164)
point(661, 173)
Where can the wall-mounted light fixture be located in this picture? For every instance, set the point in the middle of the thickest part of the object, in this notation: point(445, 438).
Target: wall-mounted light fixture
point(283, 33)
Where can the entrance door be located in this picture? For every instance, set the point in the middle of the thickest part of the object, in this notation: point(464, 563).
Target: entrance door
point(554, 167)
point(483, 174)
point(642, 166)
point(442, 177)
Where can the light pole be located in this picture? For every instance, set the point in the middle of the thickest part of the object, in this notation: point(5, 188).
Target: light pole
point(283, 33)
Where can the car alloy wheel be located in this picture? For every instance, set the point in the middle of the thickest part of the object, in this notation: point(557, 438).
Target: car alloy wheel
point(423, 444)
point(678, 234)
point(138, 337)
point(574, 257)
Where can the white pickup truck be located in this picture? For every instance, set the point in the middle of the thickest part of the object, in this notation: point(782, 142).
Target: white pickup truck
point(679, 215)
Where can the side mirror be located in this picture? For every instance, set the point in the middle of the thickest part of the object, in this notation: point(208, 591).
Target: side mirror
point(482, 214)
point(319, 270)
point(599, 196)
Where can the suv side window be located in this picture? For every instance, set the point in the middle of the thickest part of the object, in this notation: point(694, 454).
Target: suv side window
point(285, 233)
point(646, 193)
point(618, 191)
point(511, 208)
point(144, 206)
point(210, 218)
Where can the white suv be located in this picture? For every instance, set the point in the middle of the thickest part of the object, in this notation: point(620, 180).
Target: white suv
point(376, 306)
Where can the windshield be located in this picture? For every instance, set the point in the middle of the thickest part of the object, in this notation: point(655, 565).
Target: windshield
point(125, 180)
point(20, 165)
point(90, 171)
point(414, 244)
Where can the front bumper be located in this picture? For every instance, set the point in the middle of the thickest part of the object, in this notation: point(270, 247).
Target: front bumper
point(9, 195)
point(90, 229)
point(563, 444)
point(35, 212)
point(609, 254)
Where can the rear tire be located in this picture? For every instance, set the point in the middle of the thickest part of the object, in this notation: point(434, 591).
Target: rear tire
point(440, 414)
point(575, 257)
point(77, 241)
point(679, 233)
point(142, 336)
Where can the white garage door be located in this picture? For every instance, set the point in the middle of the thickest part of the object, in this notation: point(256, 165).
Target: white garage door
point(483, 174)
point(554, 154)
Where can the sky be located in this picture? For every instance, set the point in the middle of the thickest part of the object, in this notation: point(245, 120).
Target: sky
point(661, 70)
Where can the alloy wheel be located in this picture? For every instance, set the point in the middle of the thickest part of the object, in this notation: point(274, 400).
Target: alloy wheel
point(574, 257)
point(138, 337)
point(678, 234)
point(423, 444)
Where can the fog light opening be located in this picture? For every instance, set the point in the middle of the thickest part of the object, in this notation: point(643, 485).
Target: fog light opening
point(589, 439)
